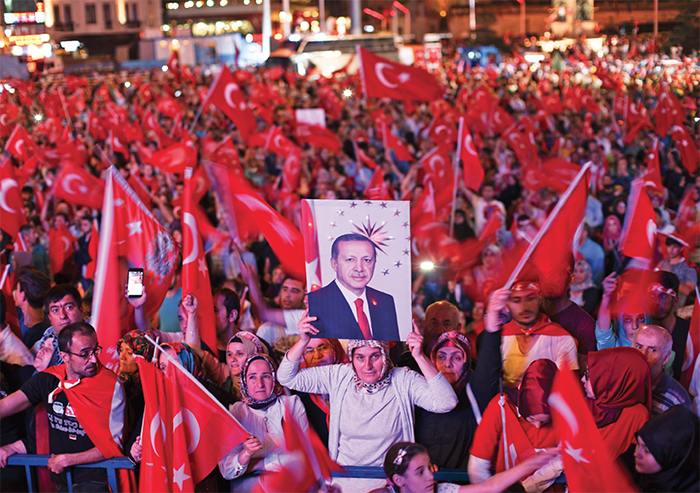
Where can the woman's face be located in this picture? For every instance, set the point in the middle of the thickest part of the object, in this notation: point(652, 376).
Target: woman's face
point(319, 352)
point(450, 362)
point(621, 207)
point(259, 380)
point(631, 322)
point(235, 357)
point(127, 362)
point(587, 385)
point(367, 362)
point(612, 226)
point(539, 420)
point(644, 462)
point(418, 478)
point(579, 274)
point(163, 360)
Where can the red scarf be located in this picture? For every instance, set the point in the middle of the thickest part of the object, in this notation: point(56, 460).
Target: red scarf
point(99, 407)
point(542, 326)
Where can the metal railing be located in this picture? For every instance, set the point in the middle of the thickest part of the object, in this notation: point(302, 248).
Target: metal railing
point(29, 461)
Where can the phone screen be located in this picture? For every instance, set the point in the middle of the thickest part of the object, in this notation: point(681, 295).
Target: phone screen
point(134, 286)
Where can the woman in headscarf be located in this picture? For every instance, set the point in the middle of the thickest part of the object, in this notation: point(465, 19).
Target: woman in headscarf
point(320, 352)
point(668, 452)
point(133, 343)
point(490, 269)
point(260, 412)
point(612, 230)
point(528, 428)
point(618, 321)
point(583, 290)
point(448, 437)
point(371, 403)
point(239, 348)
point(618, 393)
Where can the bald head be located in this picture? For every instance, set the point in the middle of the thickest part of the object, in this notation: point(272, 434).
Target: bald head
point(655, 343)
point(440, 317)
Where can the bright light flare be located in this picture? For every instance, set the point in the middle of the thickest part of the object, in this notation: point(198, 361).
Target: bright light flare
point(347, 93)
point(427, 266)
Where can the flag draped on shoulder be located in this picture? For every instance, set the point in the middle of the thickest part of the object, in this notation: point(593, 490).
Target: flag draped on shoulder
point(129, 237)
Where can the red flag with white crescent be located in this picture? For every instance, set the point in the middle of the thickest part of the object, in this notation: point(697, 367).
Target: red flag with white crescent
point(195, 273)
point(652, 176)
point(129, 237)
point(227, 96)
point(690, 373)
point(311, 252)
point(20, 144)
point(174, 159)
point(60, 247)
point(292, 170)
point(473, 170)
point(76, 186)
point(377, 188)
point(687, 146)
point(638, 239)
point(12, 212)
point(587, 463)
point(173, 65)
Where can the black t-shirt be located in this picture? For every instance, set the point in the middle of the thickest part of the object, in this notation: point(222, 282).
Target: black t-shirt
point(680, 339)
point(35, 332)
point(66, 435)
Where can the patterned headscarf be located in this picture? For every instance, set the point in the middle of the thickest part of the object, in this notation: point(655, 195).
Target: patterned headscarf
point(456, 339)
point(138, 343)
point(387, 365)
point(188, 358)
point(245, 395)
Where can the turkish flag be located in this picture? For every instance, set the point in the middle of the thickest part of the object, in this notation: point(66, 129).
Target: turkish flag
point(483, 99)
point(523, 144)
point(424, 210)
point(278, 143)
point(195, 274)
point(438, 168)
point(185, 430)
point(552, 172)
point(140, 189)
point(173, 65)
point(8, 113)
point(317, 136)
point(663, 112)
point(168, 106)
point(60, 247)
point(11, 210)
point(442, 133)
point(305, 460)
point(638, 237)
point(559, 228)
point(116, 115)
point(311, 250)
point(227, 96)
point(20, 144)
point(291, 172)
point(473, 170)
point(589, 104)
point(245, 210)
point(174, 159)
point(499, 120)
point(686, 146)
point(382, 78)
point(95, 127)
point(620, 104)
point(226, 153)
point(652, 176)
point(72, 150)
point(637, 113)
point(587, 464)
point(377, 188)
point(117, 143)
point(129, 237)
point(330, 102)
point(362, 156)
point(551, 104)
point(392, 142)
point(93, 248)
point(146, 92)
point(76, 186)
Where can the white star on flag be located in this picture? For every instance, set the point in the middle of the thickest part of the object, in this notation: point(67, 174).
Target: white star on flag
point(134, 228)
point(119, 202)
point(202, 265)
point(179, 476)
point(575, 453)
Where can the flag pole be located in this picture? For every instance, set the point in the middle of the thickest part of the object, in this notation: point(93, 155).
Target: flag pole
point(455, 169)
point(546, 225)
point(206, 99)
point(178, 365)
point(362, 74)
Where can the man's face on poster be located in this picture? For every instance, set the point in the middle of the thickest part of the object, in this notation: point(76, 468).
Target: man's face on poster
point(355, 265)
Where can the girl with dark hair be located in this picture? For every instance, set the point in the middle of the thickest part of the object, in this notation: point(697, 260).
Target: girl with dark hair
point(408, 470)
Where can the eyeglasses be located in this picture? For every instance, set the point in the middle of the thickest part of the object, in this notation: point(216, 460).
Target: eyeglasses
point(585, 375)
point(318, 349)
point(86, 354)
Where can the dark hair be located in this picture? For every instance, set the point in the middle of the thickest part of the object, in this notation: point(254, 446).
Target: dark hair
point(65, 337)
point(231, 301)
point(349, 237)
point(669, 280)
point(24, 228)
point(408, 451)
point(3, 309)
point(34, 284)
point(60, 291)
point(670, 241)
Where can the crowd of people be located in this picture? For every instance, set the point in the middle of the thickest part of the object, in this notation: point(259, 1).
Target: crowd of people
point(480, 347)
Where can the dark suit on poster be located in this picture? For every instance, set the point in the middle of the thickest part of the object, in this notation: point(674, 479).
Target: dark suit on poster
point(336, 318)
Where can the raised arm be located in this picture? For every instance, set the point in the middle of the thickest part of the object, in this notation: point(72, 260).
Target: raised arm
point(502, 480)
point(265, 313)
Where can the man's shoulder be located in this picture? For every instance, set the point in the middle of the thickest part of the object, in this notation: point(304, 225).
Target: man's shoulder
point(670, 387)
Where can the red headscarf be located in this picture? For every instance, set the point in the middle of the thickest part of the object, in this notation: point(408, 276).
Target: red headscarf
point(535, 387)
point(620, 378)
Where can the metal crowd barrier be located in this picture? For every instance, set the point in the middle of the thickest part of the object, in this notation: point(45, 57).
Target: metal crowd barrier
point(29, 461)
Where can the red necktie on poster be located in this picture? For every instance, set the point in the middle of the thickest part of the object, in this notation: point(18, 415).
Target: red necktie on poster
point(362, 319)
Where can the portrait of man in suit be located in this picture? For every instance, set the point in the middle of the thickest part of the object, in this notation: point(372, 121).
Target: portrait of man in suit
point(347, 308)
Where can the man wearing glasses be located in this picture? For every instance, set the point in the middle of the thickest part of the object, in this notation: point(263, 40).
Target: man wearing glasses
point(62, 307)
point(85, 407)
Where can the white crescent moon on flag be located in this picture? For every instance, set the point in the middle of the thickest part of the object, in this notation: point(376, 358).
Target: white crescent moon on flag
point(3, 119)
point(17, 146)
point(186, 416)
point(651, 231)
point(469, 145)
point(156, 423)
point(5, 186)
point(191, 223)
point(435, 158)
point(379, 71)
point(230, 87)
point(279, 143)
point(68, 181)
point(66, 243)
point(557, 402)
